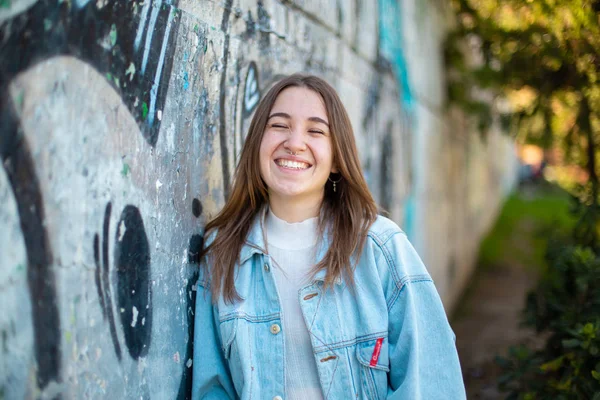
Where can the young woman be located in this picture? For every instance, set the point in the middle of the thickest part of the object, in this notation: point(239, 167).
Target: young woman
point(304, 291)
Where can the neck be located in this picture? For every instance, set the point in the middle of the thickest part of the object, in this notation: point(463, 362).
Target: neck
point(293, 210)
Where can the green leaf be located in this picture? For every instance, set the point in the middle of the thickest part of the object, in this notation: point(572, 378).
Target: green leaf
point(589, 330)
point(553, 365)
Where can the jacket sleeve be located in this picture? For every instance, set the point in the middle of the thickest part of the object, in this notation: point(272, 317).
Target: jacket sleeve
point(211, 378)
point(424, 361)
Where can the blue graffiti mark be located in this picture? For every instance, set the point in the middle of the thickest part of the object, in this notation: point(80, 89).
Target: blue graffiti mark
point(186, 82)
point(251, 90)
point(391, 48)
point(409, 216)
point(81, 3)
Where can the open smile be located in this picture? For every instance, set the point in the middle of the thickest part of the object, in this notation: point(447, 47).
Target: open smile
point(292, 164)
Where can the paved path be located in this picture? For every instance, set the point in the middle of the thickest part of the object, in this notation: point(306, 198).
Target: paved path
point(487, 324)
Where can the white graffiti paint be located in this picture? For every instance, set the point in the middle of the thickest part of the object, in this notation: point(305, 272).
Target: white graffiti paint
point(251, 94)
point(142, 25)
point(161, 62)
point(148, 42)
point(15, 7)
point(135, 316)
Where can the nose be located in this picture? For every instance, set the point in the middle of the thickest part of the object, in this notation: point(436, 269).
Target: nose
point(295, 141)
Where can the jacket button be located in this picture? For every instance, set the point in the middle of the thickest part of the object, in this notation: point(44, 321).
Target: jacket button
point(275, 329)
point(267, 268)
point(277, 398)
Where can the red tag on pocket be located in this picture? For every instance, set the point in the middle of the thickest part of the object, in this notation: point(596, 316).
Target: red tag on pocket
point(376, 352)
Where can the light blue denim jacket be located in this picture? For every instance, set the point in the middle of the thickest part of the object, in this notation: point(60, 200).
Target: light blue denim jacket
point(388, 338)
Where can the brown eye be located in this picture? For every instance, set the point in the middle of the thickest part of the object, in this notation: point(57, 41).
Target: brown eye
point(279, 126)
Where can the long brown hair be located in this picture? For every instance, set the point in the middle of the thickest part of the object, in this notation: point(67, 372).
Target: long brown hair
point(348, 212)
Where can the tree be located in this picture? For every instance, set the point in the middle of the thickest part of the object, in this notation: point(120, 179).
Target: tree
point(541, 55)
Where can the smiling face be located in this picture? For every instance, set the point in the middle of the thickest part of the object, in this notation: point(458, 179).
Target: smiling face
point(296, 156)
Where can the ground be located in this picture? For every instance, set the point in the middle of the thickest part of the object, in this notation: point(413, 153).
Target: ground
point(487, 320)
point(489, 326)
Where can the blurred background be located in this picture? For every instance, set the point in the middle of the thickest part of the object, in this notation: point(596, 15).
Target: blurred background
point(121, 124)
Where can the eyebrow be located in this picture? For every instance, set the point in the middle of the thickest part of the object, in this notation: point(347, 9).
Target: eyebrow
point(287, 116)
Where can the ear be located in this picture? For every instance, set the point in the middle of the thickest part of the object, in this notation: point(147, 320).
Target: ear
point(334, 169)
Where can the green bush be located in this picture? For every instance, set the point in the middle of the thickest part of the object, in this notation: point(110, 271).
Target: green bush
point(565, 307)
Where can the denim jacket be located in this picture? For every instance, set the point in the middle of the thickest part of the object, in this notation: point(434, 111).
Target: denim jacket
point(386, 338)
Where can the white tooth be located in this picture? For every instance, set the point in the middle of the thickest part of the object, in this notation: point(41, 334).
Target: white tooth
point(292, 164)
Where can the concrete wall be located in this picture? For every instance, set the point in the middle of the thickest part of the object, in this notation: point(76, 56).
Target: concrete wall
point(120, 125)
point(459, 177)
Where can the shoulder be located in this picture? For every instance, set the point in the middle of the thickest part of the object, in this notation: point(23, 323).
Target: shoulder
point(395, 251)
point(383, 229)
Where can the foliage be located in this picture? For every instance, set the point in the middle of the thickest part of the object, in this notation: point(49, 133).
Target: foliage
point(538, 63)
point(565, 306)
point(540, 56)
point(523, 226)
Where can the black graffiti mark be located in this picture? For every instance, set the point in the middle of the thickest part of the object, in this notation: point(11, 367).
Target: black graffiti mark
point(251, 90)
point(340, 14)
point(196, 208)
point(223, 91)
point(250, 26)
point(237, 151)
point(134, 50)
point(185, 387)
point(196, 243)
point(372, 102)
point(268, 83)
point(357, 32)
point(134, 292)
point(103, 281)
point(97, 275)
point(387, 168)
point(5, 338)
point(251, 96)
point(19, 167)
point(264, 23)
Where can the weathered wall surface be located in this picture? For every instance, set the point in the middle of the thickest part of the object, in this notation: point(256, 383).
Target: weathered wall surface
point(459, 178)
point(120, 125)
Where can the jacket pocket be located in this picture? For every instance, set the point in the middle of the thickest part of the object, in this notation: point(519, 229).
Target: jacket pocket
point(374, 361)
point(228, 330)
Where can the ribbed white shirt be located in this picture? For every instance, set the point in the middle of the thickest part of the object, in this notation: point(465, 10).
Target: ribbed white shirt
point(292, 248)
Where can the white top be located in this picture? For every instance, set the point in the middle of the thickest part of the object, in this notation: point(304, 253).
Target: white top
point(292, 248)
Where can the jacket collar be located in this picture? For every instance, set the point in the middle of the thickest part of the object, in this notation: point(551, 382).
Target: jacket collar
point(256, 243)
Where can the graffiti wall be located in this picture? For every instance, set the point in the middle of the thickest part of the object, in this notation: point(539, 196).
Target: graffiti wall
point(459, 177)
point(121, 122)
